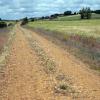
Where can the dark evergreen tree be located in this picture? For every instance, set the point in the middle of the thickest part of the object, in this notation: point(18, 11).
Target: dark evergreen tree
point(97, 11)
point(67, 13)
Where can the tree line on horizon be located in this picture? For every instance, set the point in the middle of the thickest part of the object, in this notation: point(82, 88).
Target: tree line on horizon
point(85, 13)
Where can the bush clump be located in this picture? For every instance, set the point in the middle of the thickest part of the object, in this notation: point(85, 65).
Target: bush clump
point(10, 24)
point(24, 21)
point(3, 24)
point(64, 89)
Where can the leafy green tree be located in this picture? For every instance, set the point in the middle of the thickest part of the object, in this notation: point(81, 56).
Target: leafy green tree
point(85, 13)
point(82, 13)
point(67, 13)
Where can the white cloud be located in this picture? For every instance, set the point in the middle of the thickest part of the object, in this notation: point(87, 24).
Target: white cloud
point(20, 8)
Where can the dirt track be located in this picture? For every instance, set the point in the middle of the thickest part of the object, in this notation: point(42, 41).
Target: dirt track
point(25, 76)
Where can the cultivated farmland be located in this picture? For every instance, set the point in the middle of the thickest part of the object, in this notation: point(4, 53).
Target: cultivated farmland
point(82, 37)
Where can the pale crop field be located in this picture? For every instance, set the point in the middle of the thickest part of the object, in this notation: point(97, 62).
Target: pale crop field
point(81, 27)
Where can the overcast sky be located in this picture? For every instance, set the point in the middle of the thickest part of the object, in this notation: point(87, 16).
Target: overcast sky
point(13, 9)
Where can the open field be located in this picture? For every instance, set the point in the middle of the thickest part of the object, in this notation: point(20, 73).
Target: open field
point(82, 27)
point(81, 37)
point(76, 17)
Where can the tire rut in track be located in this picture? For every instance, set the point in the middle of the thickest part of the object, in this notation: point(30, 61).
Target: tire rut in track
point(25, 78)
point(84, 80)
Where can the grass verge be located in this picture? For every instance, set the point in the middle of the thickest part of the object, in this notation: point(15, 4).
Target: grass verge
point(5, 48)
